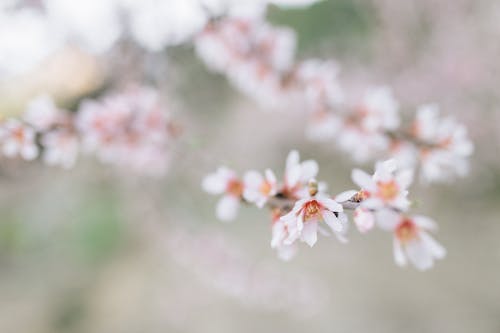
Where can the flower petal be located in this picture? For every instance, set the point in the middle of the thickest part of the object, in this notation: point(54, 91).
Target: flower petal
point(309, 233)
point(363, 180)
point(227, 208)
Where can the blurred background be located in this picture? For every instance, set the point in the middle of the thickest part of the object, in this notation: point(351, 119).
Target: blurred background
point(97, 250)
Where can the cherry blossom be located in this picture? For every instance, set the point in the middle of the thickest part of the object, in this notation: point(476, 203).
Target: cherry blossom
point(18, 139)
point(386, 188)
point(60, 148)
point(128, 129)
point(297, 175)
point(279, 236)
point(258, 189)
point(225, 182)
point(445, 146)
point(412, 241)
point(303, 220)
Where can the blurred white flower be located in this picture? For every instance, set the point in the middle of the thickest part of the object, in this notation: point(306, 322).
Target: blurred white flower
point(259, 189)
point(412, 241)
point(27, 37)
point(279, 234)
point(42, 113)
point(92, 24)
point(444, 145)
point(255, 56)
point(225, 182)
point(18, 139)
point(60, 147)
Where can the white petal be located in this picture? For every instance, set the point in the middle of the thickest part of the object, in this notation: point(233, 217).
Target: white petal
point(227, 208)
point(309, 233)
point(372, 203)
point(270, 177)
point(363, 180)
point(387, 219)
point(215, 183)
point(309, 170)
point(292, 176)
point(404, 178)
point(425, 222)
point(399, 256)
point(252, 179)
point(345, 196)
point(419, 255)
point(332, 221)
point(331, 204)
point(292, 160)
point(436, 249)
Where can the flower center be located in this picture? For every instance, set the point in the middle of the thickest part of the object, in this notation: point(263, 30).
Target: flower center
point(235, 187)
point(406, 231)
point(388, 190)
point(311, 210)
point(265, 188)
point(18, 134)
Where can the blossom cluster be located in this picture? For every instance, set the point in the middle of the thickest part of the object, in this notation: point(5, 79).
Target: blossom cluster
point(259, 60)
point(130, 129)
point(300, 207)
point(30, 31)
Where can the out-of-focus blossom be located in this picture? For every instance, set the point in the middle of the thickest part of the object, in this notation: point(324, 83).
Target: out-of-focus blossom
point(42, 113)
point(92, 24)
point(279, 236)
point(412, 241)
point(18, 139)
point(60, 147)
point(303, 220)
point(364, 219)
point(27, 37)
point(128, 129)
point(362, 133)
point(444, 145)
point(255, 56)
point(225, 182)
point(258, 189)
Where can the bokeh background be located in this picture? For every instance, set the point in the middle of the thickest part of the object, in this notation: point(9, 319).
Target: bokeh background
point(97, 250)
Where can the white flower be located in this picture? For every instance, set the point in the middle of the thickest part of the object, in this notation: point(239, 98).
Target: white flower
point(386, 188)
point(320, 81)
point(259, 189)
point(224, 181)
point(42, 113)
point(60, 148)
point(363, 132)
point(279, 234)
point(298, 174)
point(412, 241)
point(445, 147)
point(18, 139)
point(364, 219)
point(302, 221)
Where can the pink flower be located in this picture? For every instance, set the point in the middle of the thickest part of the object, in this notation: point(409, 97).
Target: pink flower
point(412, 241)
point(18, 139)
point(259, 189)
point(386, 188)
point(224, 182)
point(302, 221)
